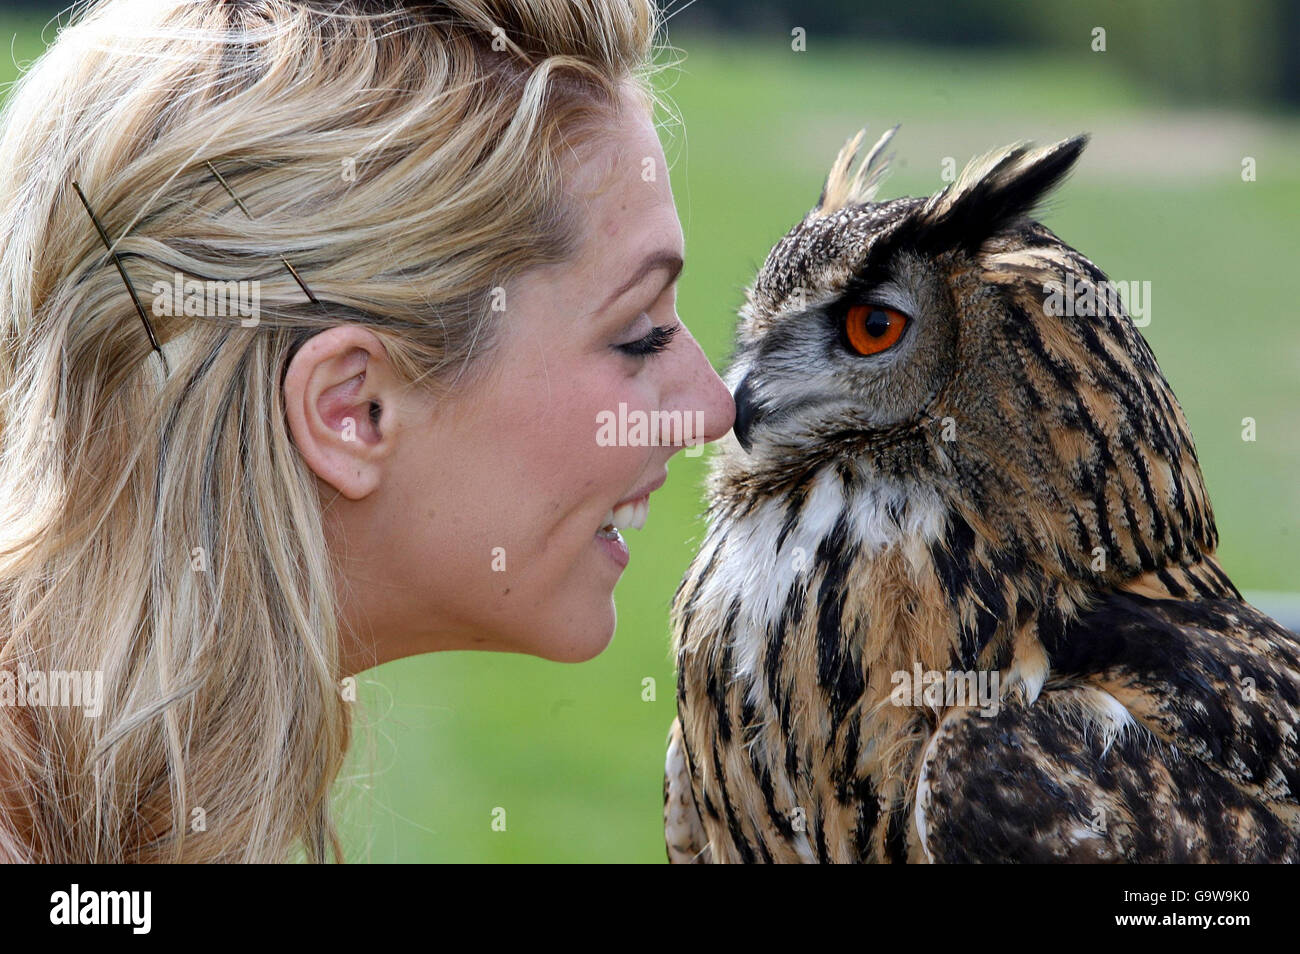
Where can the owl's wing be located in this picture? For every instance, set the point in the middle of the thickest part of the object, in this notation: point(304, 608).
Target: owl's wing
point(683, 831)
point(1166, 733)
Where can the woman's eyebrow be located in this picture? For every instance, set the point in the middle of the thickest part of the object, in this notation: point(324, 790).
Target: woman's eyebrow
point(664, 259)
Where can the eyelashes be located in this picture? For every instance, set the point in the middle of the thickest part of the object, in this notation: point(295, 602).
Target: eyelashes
point(659, 338)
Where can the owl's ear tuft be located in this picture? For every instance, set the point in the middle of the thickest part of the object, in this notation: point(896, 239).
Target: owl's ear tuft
point(994, 191)
point(840, 190)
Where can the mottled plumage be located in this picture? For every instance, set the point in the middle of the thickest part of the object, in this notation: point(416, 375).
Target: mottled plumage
point(1005, 489)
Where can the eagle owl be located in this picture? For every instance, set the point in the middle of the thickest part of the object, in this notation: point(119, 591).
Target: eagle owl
point(944, 473)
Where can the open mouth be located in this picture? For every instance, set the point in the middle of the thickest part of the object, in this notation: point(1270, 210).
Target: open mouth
point(630, 515)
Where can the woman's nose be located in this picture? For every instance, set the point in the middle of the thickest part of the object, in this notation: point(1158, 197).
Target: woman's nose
point(706, 394)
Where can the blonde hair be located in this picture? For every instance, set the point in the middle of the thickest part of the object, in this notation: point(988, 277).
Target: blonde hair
point(162, 530)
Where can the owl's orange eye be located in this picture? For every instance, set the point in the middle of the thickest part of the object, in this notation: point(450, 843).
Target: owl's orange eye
point(872, 329)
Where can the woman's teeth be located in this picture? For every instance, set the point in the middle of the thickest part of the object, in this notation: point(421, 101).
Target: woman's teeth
point(628, 516)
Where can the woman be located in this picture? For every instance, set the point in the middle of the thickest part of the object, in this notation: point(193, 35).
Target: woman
point(457, 246)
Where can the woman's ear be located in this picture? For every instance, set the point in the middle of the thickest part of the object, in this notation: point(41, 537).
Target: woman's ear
point(340, 395)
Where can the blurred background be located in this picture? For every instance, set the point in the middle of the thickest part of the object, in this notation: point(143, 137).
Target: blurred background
point(1191, 182)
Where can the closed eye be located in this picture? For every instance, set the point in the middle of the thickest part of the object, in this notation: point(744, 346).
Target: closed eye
point(659, 338)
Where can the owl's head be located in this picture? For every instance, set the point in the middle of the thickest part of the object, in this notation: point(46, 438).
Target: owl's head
point(941, 347)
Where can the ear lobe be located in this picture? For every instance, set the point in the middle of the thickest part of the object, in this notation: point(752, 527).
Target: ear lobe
point(995, 191)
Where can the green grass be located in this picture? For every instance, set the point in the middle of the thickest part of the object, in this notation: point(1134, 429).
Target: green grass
point(572, 753)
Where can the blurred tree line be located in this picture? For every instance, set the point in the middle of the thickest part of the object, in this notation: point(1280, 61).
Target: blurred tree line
point(1210, 51)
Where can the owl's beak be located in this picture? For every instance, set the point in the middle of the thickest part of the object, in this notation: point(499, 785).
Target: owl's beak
point(748, 413)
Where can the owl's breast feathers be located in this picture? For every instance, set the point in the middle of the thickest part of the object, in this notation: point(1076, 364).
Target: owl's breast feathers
point(1152, 721)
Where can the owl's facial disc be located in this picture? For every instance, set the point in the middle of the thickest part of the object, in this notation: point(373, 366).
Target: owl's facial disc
point(862, 360)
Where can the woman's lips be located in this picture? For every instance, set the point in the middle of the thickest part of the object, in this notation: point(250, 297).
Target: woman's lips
point(627, 515)
point(630, 514)
point(614, 545)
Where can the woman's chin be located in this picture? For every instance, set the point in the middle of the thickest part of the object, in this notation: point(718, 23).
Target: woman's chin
point(574, 645)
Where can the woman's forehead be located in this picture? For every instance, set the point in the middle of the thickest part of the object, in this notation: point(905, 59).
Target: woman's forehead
point(632, 207)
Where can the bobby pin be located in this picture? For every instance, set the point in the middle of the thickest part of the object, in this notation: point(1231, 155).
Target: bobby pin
point(292, 271)
point(121, 270)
